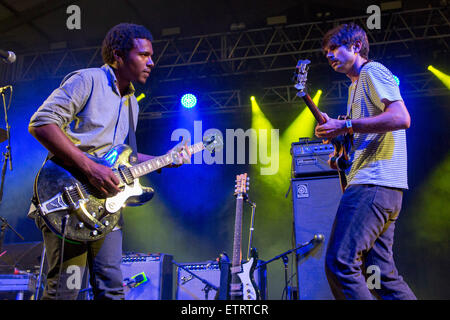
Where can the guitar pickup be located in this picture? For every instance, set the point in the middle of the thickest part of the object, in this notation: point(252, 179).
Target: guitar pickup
point(126, 174)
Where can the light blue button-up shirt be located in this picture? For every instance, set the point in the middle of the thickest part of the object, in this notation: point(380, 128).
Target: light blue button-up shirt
point(88, 107)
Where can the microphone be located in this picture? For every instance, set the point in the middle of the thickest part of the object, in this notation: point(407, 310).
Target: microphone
point(318, 238)
point(7, 56)
point(309, 246)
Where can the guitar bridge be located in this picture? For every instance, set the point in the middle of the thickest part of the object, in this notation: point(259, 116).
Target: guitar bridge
point(63, 201)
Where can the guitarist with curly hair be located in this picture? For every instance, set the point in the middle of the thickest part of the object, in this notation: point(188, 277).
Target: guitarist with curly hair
point(90, 113)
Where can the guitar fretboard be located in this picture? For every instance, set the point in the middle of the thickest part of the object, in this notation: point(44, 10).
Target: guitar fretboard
point(156, 163)
point(237, 252)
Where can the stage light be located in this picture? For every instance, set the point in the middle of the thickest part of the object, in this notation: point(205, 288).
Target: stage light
point(188, 100)
point(259, 120)
point(445, 78)
point(397, 80)
point(140, 97)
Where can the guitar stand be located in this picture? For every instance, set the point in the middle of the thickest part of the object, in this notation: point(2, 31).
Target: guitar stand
point(208, 285)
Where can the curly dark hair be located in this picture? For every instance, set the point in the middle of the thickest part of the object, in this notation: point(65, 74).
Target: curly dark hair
point(120, 37)
point(346, 35)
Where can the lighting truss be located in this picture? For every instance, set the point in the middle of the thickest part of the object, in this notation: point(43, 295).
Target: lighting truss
point(246, 51)
point(413, 85)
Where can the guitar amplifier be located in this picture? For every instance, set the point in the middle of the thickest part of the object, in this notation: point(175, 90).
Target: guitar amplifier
point(315, 202)
point(147, 276)
point(191, 288)
point(22, 286)
point(310, 158)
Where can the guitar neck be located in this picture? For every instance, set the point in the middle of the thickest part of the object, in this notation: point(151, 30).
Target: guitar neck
point(157, 163)
point(314, 110)
point(237, 252)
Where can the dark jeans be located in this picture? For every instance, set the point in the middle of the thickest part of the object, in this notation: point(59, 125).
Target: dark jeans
point(361, 244)
point(102, 257)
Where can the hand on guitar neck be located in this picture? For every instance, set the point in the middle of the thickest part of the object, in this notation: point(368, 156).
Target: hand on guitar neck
point(331, 128)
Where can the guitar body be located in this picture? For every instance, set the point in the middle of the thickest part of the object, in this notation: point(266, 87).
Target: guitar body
point(60, 191)
point(249, 286)
point(339, 159)
point(64, 193)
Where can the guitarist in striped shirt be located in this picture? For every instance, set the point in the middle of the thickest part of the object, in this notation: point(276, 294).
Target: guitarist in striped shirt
point(363, 231)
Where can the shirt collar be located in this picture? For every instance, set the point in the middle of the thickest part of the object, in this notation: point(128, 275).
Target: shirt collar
point(112, 80)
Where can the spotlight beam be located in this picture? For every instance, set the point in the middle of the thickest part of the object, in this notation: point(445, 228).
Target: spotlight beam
point(445, 78)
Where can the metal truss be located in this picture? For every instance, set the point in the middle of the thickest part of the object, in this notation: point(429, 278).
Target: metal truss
point(249, 51)
point(413, 85)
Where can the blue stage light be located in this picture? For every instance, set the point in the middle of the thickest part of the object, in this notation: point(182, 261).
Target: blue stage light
point(188, 100)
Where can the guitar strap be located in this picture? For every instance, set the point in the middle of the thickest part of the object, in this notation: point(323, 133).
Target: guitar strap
point(132, 134)
point(350, 113)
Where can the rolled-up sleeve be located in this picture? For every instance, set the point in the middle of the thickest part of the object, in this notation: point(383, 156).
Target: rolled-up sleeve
point(65, 102)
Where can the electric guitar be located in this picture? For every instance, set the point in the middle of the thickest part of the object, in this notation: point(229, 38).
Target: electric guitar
point(339, 160)
point(70, 205)
point(243, 286)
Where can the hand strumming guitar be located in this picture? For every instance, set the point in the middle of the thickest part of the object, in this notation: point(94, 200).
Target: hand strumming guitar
point(102, 178)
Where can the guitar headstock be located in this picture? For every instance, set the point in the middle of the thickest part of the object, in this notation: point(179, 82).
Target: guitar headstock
point(242, 185)
point(213, 142)
point(301, 77)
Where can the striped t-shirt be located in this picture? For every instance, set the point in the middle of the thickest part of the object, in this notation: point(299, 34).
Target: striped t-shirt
point(377, 158)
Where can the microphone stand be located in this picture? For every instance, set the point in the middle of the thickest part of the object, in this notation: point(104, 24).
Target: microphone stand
point(208, 285)
point(5, 225)
point(284, 256)
point(7, 155)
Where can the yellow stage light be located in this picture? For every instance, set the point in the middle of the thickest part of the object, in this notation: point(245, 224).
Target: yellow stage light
point(445, 78)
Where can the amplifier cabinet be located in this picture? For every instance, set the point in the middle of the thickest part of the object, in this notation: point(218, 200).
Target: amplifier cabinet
point(147, 276)
point(310, 158)
point(191, 288)
point(315, 202)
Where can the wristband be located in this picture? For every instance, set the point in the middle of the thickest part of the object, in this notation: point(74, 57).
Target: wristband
point(348, 125)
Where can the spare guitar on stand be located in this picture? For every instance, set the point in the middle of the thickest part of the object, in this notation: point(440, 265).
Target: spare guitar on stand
point(243, 285)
